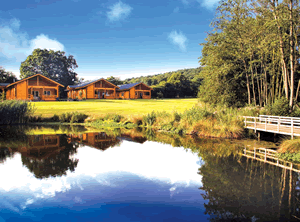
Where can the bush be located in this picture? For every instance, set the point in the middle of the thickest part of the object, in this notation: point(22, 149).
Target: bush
point(72, 117)
point(65, 117)
point(149, 119)
point(15, 111)
point(279, 108)
point(114, 117)
point(176, 116)
point(78, 117)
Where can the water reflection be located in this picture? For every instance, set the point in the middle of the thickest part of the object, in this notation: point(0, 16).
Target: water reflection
point(128, 182)
point(119, 171)
point(241, 189)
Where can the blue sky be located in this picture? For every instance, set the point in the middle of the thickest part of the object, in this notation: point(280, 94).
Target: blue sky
point(127, 38)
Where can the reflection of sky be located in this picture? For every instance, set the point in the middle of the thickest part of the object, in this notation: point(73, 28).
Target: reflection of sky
point(133, 182)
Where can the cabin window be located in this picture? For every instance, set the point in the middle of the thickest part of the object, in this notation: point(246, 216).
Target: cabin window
point(47, 93)
point(122, 94)
point(136, 93)
point(147, 94)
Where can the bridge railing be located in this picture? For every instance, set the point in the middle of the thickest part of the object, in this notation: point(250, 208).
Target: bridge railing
point(277, 124)
point(270, 156)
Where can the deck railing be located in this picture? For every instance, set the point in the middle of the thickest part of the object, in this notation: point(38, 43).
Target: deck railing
point(276, 124)
point(270, 156)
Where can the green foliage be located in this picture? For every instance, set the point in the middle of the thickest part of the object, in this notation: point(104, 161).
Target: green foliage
point(6, 77)
point(114, 117)
point(180, 83)
point(3, 95)
point(15, 111)
point(65, 117)
point(279, 108)
point(78, 117)
point(114, 80)
point(71, 117)
point(195, 114)
point(245, 56)
point(52, 64)
point(293, 157)
point(149, 119)
point(176, 116)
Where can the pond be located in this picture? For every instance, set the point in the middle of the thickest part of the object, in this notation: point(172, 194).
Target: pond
point(138, 176)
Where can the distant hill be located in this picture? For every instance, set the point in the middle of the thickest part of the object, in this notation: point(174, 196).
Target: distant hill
point(180, 83)
point(152, 80)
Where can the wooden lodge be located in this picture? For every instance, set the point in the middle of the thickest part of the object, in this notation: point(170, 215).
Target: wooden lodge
point(134, 91)
point(98, 89)
point(102, 89)
point(36, 87)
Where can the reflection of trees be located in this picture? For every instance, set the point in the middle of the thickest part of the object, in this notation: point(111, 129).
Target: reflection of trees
point(241, 189)
point(54, 161)
point(4, 154)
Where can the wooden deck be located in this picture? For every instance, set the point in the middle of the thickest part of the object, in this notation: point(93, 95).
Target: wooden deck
point(269, 156)
point(274, 124)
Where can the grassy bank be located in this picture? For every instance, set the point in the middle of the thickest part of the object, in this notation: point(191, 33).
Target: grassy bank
point(290, 150)
point(177, 116)
point(99, 108)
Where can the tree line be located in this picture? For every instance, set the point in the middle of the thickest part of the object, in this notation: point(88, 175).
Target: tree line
point(60, 68)
point(252, 54)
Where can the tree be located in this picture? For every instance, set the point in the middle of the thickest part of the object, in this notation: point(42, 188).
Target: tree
point(52, 64)
point(114, 80)
point(6, 77)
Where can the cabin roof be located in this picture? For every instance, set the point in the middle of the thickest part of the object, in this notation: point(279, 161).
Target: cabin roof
point(35, 76)
point(4, 84)
point(81, 85)
point(130, 85)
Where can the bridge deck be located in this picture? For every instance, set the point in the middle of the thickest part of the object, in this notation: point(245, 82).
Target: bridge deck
point(274, 124)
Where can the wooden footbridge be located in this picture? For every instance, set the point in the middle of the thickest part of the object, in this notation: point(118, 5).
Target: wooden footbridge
point(271, 157)
point(274, 124)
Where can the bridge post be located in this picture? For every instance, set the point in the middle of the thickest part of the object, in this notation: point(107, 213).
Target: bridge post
point(266, 124)
point(255, 124)
point(292, 128)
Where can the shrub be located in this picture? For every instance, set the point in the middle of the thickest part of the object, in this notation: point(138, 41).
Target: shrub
point(114, 117)
point(78, 117)
point(15, 111)
point(279, 108)
point(176, 116)
point(65, 117)
point(149, 119)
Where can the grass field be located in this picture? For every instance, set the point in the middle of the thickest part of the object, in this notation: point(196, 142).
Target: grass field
point(121, 107)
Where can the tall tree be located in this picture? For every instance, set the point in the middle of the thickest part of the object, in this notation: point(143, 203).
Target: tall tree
point(114, 80)
point(52, 64)
point(6, 77)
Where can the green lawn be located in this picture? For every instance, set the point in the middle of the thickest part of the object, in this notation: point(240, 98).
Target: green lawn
point(122, 107)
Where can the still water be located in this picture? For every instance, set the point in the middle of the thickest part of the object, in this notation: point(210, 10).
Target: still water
point(138, 176)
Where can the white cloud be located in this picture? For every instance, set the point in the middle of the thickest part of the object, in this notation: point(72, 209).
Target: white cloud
point(15, 44)
point(44, 42)
point(118, 11)
point(210, 4)
point(176, 10)
point(178, 39)
point(108, 167)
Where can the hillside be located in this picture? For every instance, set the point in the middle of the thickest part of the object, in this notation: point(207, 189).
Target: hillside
point(180, 83)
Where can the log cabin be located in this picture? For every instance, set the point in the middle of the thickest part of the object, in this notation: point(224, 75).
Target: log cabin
point(134, 91)
point(97, 89)
point(36, 87)
point(3, 87)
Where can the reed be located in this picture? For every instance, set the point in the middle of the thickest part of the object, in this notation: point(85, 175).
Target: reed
point(15, 112)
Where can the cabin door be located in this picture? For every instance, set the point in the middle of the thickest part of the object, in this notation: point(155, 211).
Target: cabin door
point(99, 94)
point(141, 95)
